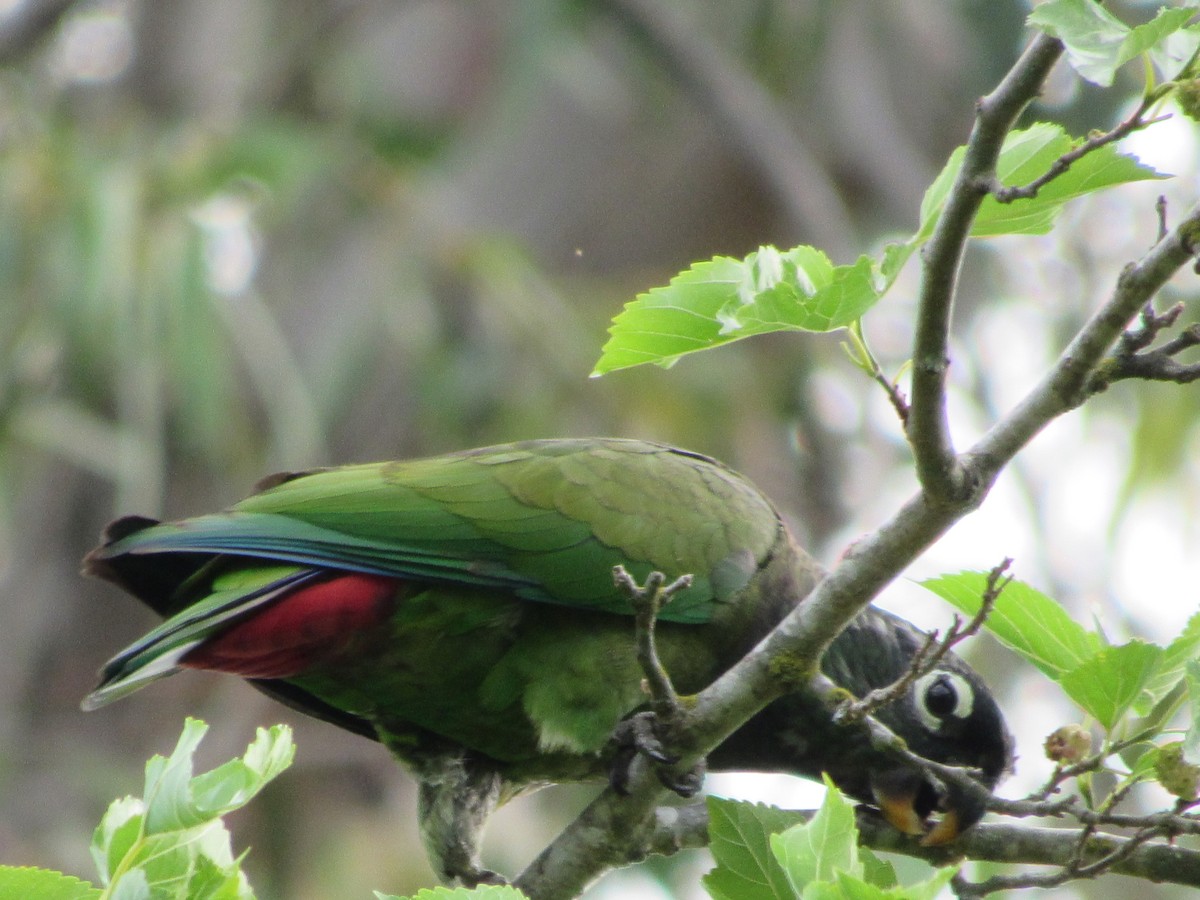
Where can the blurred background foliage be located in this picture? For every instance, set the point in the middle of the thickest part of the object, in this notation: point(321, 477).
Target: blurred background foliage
point(238, 236)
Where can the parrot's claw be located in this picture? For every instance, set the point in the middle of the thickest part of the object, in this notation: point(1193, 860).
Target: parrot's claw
point(638, 735)
point(640, 732)
point(686, 784)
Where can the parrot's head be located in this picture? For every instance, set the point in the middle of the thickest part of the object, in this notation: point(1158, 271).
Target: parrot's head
point(948, 715)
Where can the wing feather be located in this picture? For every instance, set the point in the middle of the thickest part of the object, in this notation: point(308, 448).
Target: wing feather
point(546, 521)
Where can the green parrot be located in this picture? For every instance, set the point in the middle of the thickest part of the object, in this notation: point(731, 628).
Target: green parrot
point(461, 610)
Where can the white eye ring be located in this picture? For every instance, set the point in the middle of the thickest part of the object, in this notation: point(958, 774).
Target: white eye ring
point(963, 697)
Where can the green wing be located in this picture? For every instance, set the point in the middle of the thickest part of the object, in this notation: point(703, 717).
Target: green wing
point(545, 520)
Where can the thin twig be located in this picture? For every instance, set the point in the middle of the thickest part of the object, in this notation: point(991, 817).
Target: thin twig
point(860, 354)
point(938, 466)
point(1132, 359)
point(894, 394)
point(1075, 869)
point(1150, 324)
point(1072, 378)
point(1135, 122)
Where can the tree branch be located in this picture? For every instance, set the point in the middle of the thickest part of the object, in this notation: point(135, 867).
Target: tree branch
point(1132, 359)
point(1066, 385)
point(1094, 142)
point(616, 829)
point(672, 828)
point(928, 426)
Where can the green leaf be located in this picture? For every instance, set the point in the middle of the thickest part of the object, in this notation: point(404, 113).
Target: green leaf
point(895, 255)
point(821, 890)
point(42, 884)
point(169, 860)
point(848, 887)
point(820, 848)
point(212, 881)
point(168, 806)
point(724, 299)
point(876, 870)
point(1092, 36)
point(845, 887)
point(1097, 43)
point(1107, 684)
point(929, 889)
point(1191, 740)
point(132, 885)
point(174, 843)
point(232, 785)
point(1027, 155)
point(1176, 656)
point(1168, 40)
point(817, 859)
point(119, 829)
point(1023, 619)
point(176, 800)
point(739, 838)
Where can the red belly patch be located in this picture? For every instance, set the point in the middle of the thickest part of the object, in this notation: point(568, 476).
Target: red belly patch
point(308, 626)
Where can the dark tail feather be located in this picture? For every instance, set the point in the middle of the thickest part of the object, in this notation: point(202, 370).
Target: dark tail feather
point(152, 578)
point(155, 579)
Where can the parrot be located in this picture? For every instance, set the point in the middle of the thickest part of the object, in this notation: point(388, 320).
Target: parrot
point(461, 610)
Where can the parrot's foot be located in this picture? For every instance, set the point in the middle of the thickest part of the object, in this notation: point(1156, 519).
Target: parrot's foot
point(453, 810)
point(638, 735)
point(456, 794)
point(685, 784)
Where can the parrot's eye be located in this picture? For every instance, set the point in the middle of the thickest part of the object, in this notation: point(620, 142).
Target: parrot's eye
point(940, 696)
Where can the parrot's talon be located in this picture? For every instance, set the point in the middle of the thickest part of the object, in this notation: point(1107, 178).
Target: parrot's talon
point(639, 732)
point(687, 784)
point(618, 775)
point(638, 735)
point(631, 737)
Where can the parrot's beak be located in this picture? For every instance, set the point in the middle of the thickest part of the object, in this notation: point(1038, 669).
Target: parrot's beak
point(906, 801)
point(946, 829)
point(899, 806)
point(959, 810)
